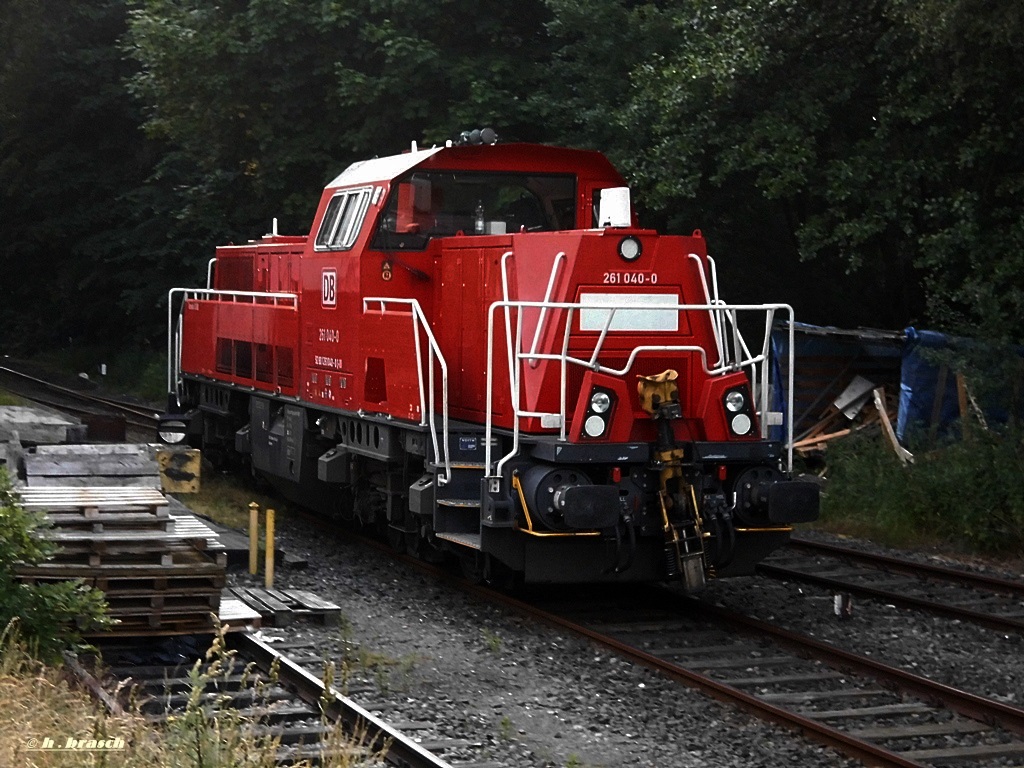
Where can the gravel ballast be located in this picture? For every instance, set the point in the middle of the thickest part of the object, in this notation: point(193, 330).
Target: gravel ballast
point(511, 692)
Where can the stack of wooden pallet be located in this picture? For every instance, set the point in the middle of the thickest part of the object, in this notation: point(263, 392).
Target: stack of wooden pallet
point(158, 579)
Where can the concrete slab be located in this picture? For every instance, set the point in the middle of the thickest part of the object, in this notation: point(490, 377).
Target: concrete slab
point(35, 426)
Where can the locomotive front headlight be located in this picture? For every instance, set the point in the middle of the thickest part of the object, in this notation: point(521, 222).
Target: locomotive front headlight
point(594, 426)
point(740, 424)
point(600, 402)
point(735, 401)
point(630, 248)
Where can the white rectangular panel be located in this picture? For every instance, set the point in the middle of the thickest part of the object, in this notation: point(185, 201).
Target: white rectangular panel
point(638, 312)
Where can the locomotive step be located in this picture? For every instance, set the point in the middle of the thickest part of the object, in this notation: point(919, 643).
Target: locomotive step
point(461, 503)
point(471, 540)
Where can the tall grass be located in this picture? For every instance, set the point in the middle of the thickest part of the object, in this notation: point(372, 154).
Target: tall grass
point(966, 495)
point(40, 705)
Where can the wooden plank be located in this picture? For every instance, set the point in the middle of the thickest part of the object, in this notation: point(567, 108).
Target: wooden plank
point(276, 611)
point(64, 498)
point(313, 605)
point(93, 480)
point(800, 697)
point(961, 394)
point(130, 466)
point(963, 754)
point(184, 563)
point(912, 731)
point(902, 453)
point(68, 538)
point(96, 449)
point(234, 612)
point(108, 520)
point(886, 709)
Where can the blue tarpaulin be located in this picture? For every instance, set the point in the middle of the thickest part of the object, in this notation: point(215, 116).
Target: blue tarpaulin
point(920, 382)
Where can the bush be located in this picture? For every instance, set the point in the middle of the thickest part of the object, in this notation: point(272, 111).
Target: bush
point(968, 494)
point(51, 616)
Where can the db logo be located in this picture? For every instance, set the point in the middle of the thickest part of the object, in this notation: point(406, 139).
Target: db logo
point(329, 287)
point(385, 271)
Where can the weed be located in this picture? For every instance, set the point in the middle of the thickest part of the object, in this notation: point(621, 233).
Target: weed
point(505, 728)
point(405, 667)
point(492, 640)
point(968, 495)
point(6, 398)
point(51, 616)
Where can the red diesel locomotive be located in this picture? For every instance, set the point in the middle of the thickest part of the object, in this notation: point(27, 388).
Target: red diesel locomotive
point(476, 350)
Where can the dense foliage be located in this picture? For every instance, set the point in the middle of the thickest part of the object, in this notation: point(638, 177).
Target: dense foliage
point(50, 615)
point(967, 494)
point(858, 148)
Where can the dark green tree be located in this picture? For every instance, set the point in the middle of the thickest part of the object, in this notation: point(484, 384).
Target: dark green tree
point(872, 140)
point(71, 160)
point(264, 102)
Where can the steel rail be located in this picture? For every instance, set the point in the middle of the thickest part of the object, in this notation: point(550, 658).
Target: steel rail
point(907, 566)
point(843, 742)
point(968, 704)
point(130, 411)
point(990, 620)
point(401, 750)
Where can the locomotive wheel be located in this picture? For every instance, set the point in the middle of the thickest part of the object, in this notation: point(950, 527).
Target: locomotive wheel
point(471, 563)
point(500, 576)
point(397, 539)
point(422, 544)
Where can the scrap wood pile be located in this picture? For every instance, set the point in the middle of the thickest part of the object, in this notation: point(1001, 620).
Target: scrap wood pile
point(861, 406)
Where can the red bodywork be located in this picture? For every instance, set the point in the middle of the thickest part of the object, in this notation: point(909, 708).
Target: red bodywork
point(477, 351)
point(331, 349)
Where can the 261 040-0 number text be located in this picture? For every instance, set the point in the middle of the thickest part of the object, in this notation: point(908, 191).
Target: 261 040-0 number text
point(631, 278)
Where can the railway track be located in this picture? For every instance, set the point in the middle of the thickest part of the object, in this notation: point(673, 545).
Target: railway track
point(860, 706)
point(267, 695)
point(993, 602)
point(80, 404)
point(877, 713)
point(874, 712)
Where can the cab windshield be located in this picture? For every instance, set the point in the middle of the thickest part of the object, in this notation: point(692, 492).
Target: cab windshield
point(431, 204)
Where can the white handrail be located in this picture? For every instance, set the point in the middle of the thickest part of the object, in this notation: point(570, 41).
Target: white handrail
point(419, 320)
point(743, 358)
point(713, 317)
point(559, 257)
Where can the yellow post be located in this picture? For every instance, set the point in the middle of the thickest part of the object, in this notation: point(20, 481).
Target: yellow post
point(269, 575)
point(254, 536)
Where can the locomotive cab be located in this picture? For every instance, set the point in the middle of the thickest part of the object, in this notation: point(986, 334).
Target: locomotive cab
point(478, 352)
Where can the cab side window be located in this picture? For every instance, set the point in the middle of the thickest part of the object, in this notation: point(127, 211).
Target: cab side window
point(343, 220)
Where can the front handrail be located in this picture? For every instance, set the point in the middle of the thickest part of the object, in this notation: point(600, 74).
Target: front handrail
point(724, 317)
point(427, 399)
point(174, 330)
